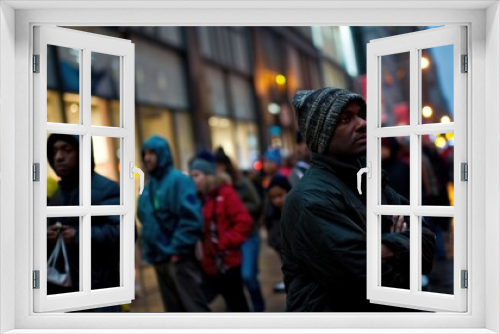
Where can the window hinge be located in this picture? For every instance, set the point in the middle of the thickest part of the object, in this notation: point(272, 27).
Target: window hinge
point(36, 172)
point(465, 171)
point(465, 64)
point(465, 279)
point(36, 63)
point(36, 279)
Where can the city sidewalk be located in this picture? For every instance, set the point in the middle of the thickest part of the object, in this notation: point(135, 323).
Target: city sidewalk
point(148, 298)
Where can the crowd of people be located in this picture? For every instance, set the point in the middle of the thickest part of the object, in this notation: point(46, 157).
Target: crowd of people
point(201, 230)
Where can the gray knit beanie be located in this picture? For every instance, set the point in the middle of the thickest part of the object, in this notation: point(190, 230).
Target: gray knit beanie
point(204, 166)
point(318, 113)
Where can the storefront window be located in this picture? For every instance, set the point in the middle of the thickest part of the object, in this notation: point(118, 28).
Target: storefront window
point(159, 122)
point(242, 98)
point(217, 91)
point(185, 141)
point(247, 143)
point(171, 35)
point(54, 110)
point(160, 77)
point(222, 132)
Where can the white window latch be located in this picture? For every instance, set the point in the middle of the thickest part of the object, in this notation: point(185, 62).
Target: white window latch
point(368, 171)
point(134, 170)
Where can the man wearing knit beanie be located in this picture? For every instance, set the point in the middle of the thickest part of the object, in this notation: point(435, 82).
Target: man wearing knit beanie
point(323, 224)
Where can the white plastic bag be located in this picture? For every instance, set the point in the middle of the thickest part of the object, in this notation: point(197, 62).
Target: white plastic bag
point(53, 275)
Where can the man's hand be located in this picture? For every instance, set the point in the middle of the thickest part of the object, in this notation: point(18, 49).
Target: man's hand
point(399, 225)
point(175, 258)
point(386, 253)
point(52, 233)
point(68, 234)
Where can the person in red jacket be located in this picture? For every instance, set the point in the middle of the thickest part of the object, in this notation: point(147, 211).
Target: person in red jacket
point(227, 224)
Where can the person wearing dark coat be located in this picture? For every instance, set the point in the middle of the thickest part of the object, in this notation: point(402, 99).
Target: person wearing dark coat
point(279, 186)
point(323, 224)
point(63, 157)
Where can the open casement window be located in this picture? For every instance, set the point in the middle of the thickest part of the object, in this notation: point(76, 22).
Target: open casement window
point(91, 210)
point(418, 130)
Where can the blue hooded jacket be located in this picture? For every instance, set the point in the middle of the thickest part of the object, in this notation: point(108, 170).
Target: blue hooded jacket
point(169, 209)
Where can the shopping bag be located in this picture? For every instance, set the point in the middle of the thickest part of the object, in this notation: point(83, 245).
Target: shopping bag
point(54, 276)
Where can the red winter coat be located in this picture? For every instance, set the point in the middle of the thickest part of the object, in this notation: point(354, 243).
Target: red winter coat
point(234, 225)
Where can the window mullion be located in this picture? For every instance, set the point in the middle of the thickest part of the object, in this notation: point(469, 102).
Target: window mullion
point(86, 168)
point(415, 93)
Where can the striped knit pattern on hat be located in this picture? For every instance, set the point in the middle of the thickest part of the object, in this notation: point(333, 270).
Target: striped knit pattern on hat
point(318, 113)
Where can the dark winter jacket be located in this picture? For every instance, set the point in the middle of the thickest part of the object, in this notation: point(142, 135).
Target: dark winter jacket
point(324, 241)
point(272, 221)
point(105, 230)
point(234, 225)
point(169, 209)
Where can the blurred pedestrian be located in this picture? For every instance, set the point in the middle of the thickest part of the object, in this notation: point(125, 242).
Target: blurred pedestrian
point(438, 166)
point(251, 247)
point(276, 192)
point(63, 156)
point(272, 165)
point(397, 170)
point(227, 224)
point(303, 161)
point(323, 224)
point(170, 213)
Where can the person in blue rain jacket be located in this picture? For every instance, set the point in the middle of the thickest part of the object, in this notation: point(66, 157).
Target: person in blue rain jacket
point(170, 213)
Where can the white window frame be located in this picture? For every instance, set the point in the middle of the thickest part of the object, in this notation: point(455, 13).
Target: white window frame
point(86, 43)
point(412, 44)
point(483, 21)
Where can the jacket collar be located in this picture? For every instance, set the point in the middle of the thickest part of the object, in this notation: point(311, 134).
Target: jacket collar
point(345, 170)
point(338, 167)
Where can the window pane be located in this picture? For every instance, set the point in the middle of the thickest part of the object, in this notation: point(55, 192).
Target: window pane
point(63, 170)
point(395, 252)
point(105, 179)
point(242, 98)
point(63, 255)
point(395, 156)
point(437, 84)
point(105, 83)
point(105, 252)
point(204, 41)
point(241, 50)
point(160, 77)
point(437, 169)
point(172, 35)
point(216, 91)
point(63, 66)
point(395, 76)
point(440, 279)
